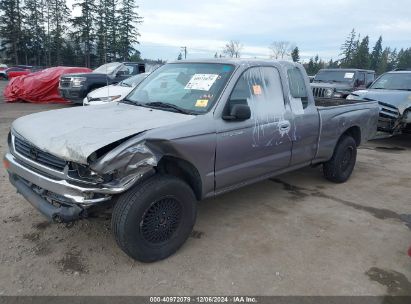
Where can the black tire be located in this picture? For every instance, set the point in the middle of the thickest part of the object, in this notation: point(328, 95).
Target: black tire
point(339, 168)
point(152, 220)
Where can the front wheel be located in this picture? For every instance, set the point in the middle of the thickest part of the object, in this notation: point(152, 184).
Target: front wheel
point(153, 220)
point(339, 168)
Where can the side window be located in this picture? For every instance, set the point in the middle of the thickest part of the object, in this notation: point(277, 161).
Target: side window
point(259, 88)
point(370, 78)
point(361, 79)
point(297, 86)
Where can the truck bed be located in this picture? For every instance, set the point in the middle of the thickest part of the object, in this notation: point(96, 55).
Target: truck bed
point(337, 115)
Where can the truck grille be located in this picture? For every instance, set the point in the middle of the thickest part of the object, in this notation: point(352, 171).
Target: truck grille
point(36, 155)
point(318, 92)
point(388, 111)
point(65, 82)
point(388, 117)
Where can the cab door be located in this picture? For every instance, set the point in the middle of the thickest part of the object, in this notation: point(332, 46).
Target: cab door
point(250, 149)
point(306, 121)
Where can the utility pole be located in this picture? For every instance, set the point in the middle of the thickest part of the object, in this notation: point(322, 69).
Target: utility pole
point(184, 49)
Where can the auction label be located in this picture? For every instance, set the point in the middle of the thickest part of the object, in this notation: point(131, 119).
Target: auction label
point(202, 82)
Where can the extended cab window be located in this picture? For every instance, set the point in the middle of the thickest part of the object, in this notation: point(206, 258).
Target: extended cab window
point(260, 89)
point(297, 85)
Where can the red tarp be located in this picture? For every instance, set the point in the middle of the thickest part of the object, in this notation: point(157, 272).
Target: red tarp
point(13, 74)
point(39, 87)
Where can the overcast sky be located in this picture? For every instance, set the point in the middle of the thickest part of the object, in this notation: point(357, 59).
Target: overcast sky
point(316, 27)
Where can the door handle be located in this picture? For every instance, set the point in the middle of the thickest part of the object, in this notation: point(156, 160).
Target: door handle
point(284, 126)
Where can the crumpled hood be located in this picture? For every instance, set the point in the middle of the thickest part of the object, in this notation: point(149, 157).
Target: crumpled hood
point(74, 134)
point(397, 98)
point(334, 85)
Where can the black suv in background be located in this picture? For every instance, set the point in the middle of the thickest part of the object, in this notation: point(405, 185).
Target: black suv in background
point(74, 87)
point(339, 83)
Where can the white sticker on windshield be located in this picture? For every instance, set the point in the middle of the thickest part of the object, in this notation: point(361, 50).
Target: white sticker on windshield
point(349, 75)
point(202, 82)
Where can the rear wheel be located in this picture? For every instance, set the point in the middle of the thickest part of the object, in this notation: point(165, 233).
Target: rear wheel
point(153, 220)
point(339, 168)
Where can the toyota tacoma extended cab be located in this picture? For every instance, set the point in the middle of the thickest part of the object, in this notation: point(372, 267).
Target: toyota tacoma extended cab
point(75, 87)
point(191, 130)
point(339, 83)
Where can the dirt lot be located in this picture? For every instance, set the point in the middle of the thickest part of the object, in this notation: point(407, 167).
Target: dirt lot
point(294, 235)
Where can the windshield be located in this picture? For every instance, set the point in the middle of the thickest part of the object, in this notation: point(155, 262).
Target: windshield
point(134, 80)
point(334, 76)
point(191, 87)
point(107, 68)
point(393, 81)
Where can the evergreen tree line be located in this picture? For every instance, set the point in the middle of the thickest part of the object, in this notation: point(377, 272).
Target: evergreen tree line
point(356, 53)
point(44, 32)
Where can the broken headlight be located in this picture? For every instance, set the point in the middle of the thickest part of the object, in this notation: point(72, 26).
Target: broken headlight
point(84, 173)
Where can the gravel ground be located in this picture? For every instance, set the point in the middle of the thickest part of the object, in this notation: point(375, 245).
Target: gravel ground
point(296, 234)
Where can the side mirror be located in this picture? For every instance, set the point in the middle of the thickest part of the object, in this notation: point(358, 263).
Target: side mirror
point(239, 112)
point(121, 73)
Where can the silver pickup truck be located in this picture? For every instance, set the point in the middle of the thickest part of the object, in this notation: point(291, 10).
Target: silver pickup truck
point(191, 130)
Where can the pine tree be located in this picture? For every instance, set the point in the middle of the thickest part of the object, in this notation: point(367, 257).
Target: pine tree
point(376, 55)
point(310, 67)
point(361, 56)
point(382, 66)
point(127, 29)
point(348, 49)
point(404, 59)
point(392, 61)
point(101, 32)
point(332, 64)
point(58, 15)
point(112, 21)
point(295, 54)
point(34, 28)
point(180, 56)
point(136, 57)
point(84, 27)
point(10, 29)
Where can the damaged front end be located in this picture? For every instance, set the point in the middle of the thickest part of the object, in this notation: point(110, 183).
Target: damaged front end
point(394, 120)
point(64, 191)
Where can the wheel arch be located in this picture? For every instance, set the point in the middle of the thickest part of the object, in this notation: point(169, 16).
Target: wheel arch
point(354, 132)
point(182, 169)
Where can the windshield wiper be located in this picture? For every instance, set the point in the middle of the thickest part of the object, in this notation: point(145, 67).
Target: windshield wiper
point(130, 102)
point(123, 84)
point(165, 105)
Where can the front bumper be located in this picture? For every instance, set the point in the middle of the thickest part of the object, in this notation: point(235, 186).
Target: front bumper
point(58, 199)
point(75, 95)
point(61, 213)
point(84, 195)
